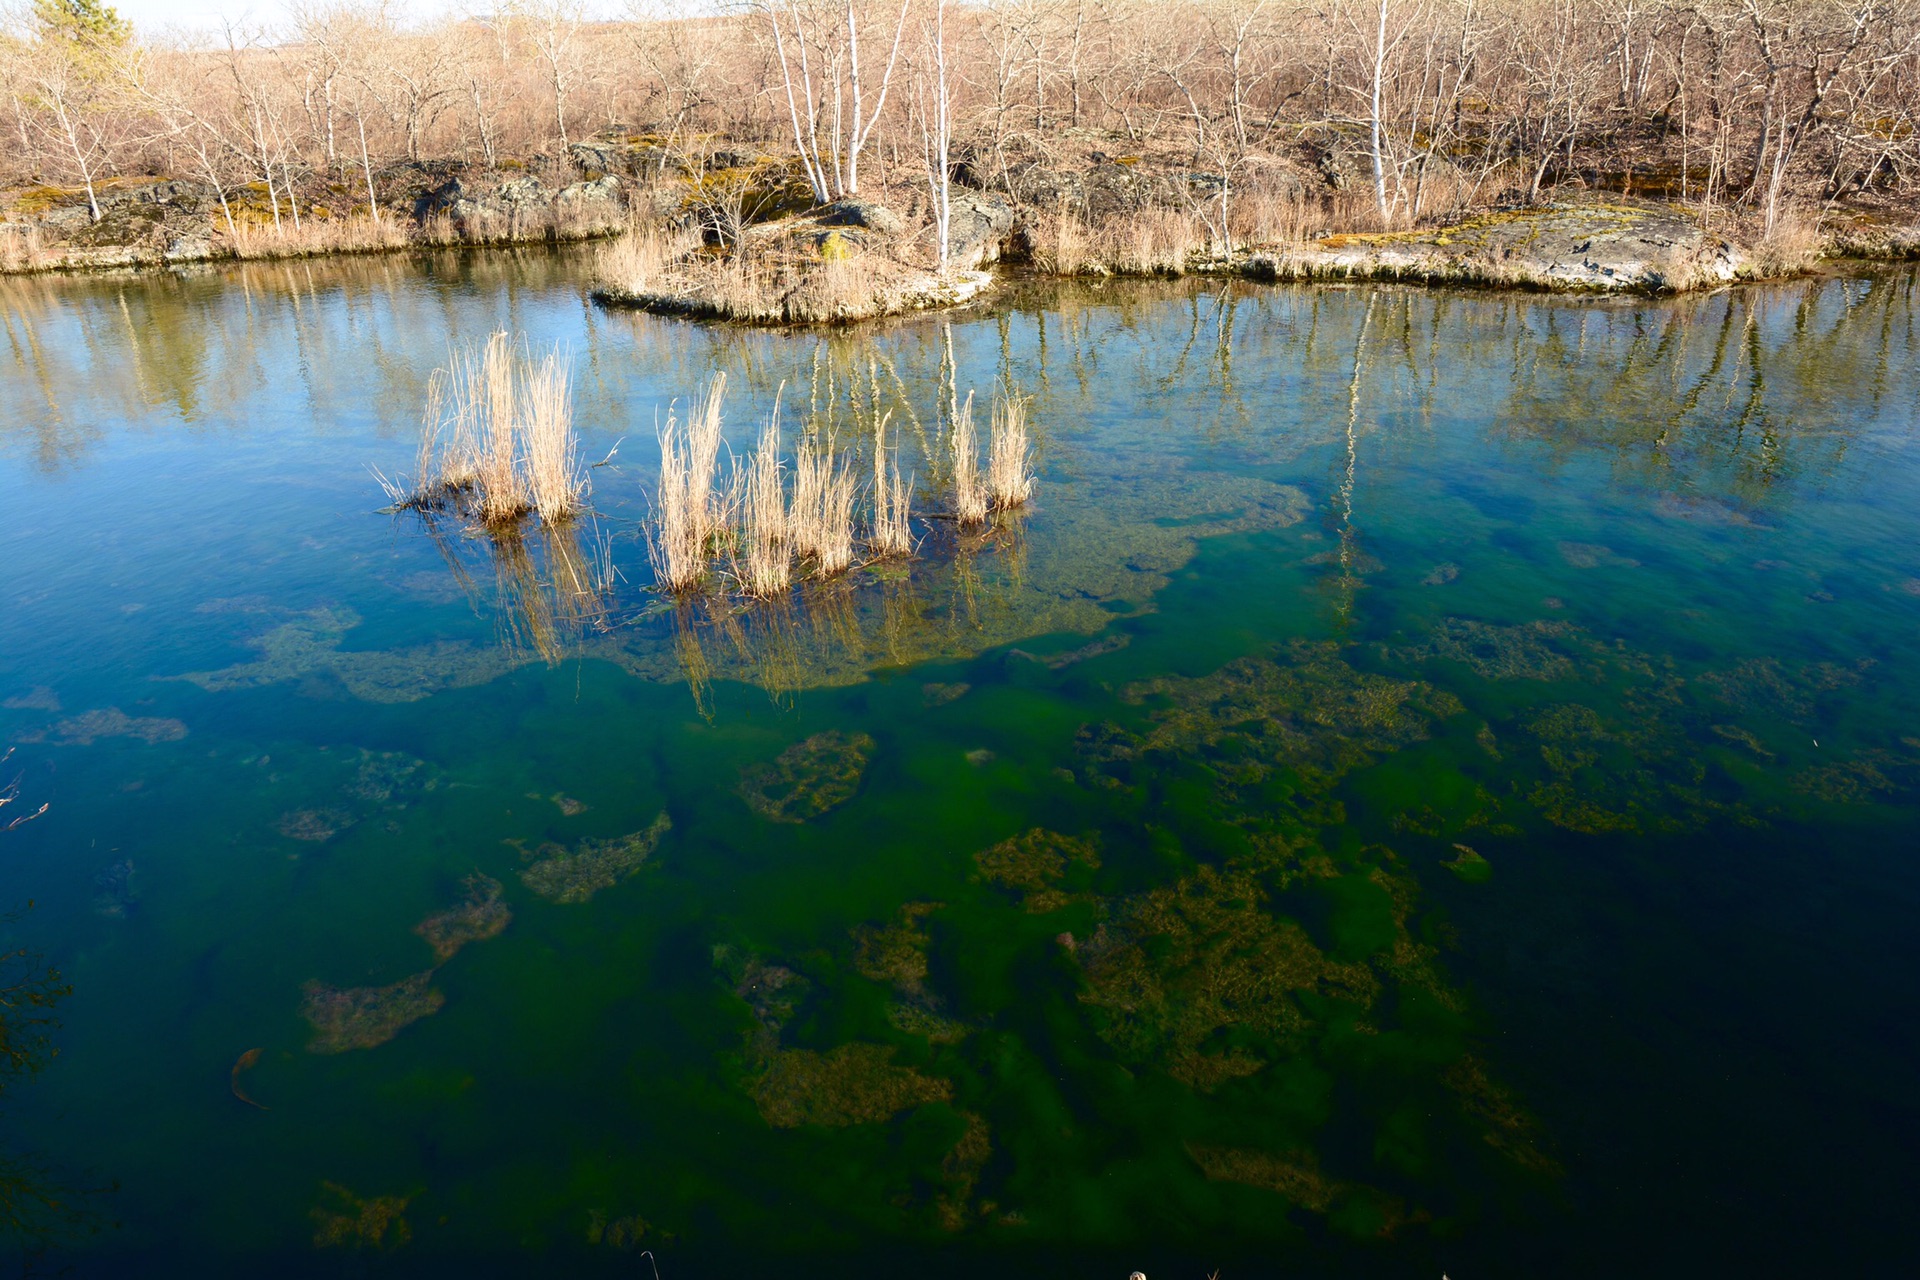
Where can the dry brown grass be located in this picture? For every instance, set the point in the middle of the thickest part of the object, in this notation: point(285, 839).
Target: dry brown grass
point(688, 512)
point(1792, 248)
point(892, 504)
point(497, 440)
point(643, 260)
point(969, 490)
point(354, 233)
point(762, 552)
point(21, 247)
point(554, 480)
point(820, 517)
point(1009, 454)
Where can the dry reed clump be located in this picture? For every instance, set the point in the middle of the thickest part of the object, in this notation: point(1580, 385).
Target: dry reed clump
point(643, 260)
point(969, 490)
point(20, 247)
point(892, 533)
point(1791, 248)
point(820, 518)
point(355, 233)
point(688, 514)
point(762, 551)
point(1009, 454)
point(498, 440)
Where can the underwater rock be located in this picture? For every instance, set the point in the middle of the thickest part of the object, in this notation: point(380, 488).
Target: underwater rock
point(960, 1168)
point(855, 1083)
point(115, 895)
point(1442, 574)
point(568, 806)
point(808, 778)
point(1510, 1128)
point(1294, 1174)
point(1297, 1176)
point(1035, 864)
point(89, 727)
point(380, 775)
point(1767, 684)
point(980, 757)
point(481, 916)
point(919, 1018)
point(363, 1017)
point(594, 865)
point(772, 992)
point(36, 699)
point(343, 1219)
point(939, 695)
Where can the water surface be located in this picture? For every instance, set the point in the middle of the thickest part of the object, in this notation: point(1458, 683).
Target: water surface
point(1429, 786)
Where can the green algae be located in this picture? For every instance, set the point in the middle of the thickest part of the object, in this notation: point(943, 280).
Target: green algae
point(1181, 965)
point(90, 727)
point(1469, 865)
point(1527, 651)
point(854, 1083)
point(308, 647)
point(809, 778)
point(1308, 710)
point(345, 1220)
point(896, 953)
point(347, 1018)
point(1035, 865)
point(479, 916)
point(574, 876)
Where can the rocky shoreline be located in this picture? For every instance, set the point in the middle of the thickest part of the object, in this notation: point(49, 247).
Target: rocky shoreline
point(859, 259)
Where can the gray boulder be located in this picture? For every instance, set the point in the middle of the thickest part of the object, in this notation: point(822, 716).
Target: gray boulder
point(978, 225)
point(862, 213)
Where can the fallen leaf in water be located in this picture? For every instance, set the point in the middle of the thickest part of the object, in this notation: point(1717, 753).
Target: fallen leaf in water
point(246, 1062)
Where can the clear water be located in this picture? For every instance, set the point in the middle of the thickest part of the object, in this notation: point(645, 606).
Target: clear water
point(1322, 586)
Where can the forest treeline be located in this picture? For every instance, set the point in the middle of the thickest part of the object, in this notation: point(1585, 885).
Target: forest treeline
point(1419, 105)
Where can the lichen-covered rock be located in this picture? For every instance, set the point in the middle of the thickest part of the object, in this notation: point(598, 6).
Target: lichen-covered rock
point(1605, 247)
point(977, 227)
point(862, 213)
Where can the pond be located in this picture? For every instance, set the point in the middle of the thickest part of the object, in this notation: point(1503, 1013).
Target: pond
point(1429, 785)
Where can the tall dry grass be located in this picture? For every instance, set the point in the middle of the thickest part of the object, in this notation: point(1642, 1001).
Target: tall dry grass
point(555, 482)
point(969, 489)
point(497, 439)
point(1009, 454)
point(820, 517)
point(892, 533)
point(645, 260)
point(353, 233)
point(763, 553)
point(688, 511)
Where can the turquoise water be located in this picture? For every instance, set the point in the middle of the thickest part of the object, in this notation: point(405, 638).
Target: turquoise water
point(1430, 785)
